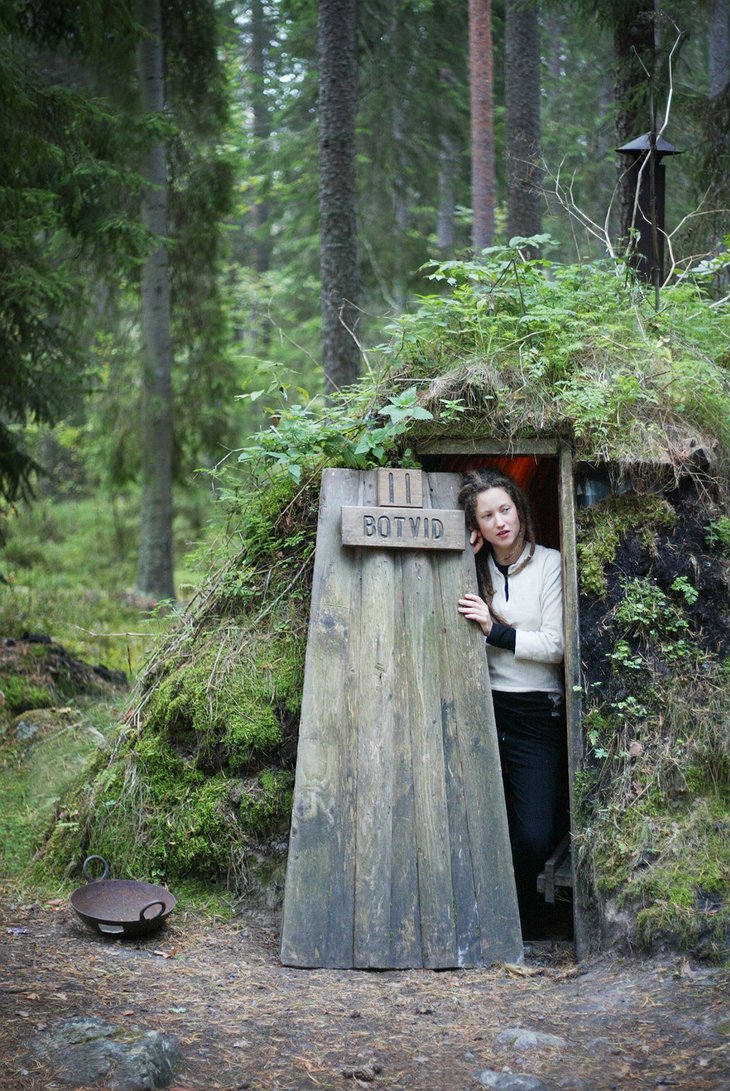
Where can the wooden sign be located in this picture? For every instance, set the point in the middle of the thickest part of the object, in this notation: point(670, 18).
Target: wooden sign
point(404, 528)
point(399, 488)
point(400, 520)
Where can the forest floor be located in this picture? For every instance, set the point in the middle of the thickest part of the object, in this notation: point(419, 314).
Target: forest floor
point(242, 1020)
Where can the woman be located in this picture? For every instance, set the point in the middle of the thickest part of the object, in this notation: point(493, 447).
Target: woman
point(520, 611)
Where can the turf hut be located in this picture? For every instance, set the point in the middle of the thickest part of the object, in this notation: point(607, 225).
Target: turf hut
point(615, 417)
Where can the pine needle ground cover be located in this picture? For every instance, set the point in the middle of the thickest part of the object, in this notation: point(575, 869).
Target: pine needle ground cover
point(197, 785)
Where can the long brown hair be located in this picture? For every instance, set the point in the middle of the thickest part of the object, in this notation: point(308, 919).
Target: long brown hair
point(475, 482)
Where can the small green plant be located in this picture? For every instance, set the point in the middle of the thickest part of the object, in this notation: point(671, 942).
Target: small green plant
point(349, 433)
point(683, 587)
point(645, 611)
point(598, 732)
point(718, 533)
point(623, 656)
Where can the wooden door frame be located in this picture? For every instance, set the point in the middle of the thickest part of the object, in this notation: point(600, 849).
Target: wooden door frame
point(550, 448)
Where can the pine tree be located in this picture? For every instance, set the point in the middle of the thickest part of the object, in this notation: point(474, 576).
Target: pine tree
point(155, 567)
point(337, 190)
point(522, 118)
point(482, 122)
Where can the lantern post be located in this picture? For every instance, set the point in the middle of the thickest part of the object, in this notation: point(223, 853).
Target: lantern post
point(646, 172)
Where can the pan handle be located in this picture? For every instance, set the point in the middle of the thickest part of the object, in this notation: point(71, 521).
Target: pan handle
point(149, 905)
point(87, 874)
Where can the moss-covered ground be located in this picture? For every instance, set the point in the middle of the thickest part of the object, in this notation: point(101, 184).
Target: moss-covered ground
point(73, 635)
point(654, 828)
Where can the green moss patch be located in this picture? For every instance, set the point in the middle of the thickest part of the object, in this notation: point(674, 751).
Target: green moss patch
point(227, 702)
point(671, 870)
point(601, 528)
point(37, 673)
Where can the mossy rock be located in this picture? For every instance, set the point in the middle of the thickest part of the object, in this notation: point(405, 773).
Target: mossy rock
point(665, 875)
point(37, 673)
point(44, 753)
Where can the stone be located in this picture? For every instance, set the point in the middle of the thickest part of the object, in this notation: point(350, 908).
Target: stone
point(521, 1038)
point(509, 1081)
point(89, 1052)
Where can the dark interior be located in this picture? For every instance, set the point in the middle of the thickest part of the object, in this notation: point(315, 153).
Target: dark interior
point(537, 475)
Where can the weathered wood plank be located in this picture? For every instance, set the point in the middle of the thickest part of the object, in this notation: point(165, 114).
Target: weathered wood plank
point(480, 445)
point(405, 916)
point(371, 703)
point(464, 902)
point(586, 932)
point(399, 488)
point(318, 917)
point(486, 900)
point(423, 630)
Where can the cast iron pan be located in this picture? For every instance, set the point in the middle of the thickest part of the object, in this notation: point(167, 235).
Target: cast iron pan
point(121, 907)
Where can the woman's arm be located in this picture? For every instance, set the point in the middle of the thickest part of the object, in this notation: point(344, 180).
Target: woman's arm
point(545, 644)
point(474, 608)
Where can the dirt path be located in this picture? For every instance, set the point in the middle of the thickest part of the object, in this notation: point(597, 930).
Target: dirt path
point(244, 1021)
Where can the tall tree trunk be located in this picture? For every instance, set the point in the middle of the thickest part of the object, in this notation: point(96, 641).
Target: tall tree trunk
point(446, 214)
point(522, 115)
point(259, 39)
point(718, 48)
point(482, 122)
point(634, 52)
point(338, 190)
point(447, 173)
point(401, 212)
point(155, 571)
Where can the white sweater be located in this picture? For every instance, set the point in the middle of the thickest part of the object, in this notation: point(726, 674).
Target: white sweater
point(535, 610)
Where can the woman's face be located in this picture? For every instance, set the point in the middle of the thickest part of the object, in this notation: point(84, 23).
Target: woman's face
point(498, 521)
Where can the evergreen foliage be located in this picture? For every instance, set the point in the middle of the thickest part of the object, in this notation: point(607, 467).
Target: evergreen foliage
point(72, 241)
point(64, 203)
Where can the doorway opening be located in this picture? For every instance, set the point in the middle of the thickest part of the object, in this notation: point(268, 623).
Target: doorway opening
point(546, 478)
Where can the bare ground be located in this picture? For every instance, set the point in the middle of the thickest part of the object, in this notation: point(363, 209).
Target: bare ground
point(244, 1021)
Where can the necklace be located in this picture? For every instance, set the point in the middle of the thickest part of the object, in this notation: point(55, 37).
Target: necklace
point(514, 552)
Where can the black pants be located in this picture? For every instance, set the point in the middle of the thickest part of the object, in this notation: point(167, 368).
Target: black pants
point(532, 748)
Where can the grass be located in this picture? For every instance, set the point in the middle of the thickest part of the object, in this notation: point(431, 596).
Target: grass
point(67, 571)
point(35, 771)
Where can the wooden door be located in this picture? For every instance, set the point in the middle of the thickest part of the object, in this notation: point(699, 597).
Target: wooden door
point(399, 852)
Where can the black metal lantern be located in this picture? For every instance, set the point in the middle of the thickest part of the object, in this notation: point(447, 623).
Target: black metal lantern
point(646, 172)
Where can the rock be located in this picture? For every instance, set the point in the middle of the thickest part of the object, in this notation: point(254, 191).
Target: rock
point(38, 723)
point(509, 1081)
point(89, 1052)
point(522, 1039)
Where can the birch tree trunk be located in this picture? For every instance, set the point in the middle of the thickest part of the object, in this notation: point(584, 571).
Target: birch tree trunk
point(155, 568)
point(522, 115)
point(482, 122)
point(338, 190)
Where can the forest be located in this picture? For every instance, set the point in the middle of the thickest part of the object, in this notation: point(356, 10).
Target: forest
point(213, 211)
point(244, 244)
